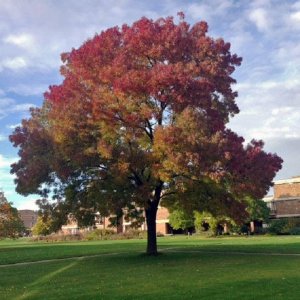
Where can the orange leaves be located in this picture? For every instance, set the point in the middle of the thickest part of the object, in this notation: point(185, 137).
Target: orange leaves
point(105, 150)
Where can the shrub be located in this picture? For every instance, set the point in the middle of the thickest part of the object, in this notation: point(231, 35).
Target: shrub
point(57, 237)
point(99, 234)
point(95, 235)
point(295, 231)
point(291, 224)
point(284, 226)
point(278, 226)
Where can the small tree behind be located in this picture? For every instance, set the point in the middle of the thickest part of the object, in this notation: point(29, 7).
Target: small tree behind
point(11, 225)
point(180, 219)
point(257, 210)
point(43, 226)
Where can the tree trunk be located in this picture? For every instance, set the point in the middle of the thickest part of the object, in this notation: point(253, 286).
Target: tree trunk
point(151, 228)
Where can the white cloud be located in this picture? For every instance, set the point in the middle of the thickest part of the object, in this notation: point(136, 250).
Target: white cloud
point(206, 10)
point(14, 63)
point(28, 90)
point(197, 11)
point(260, 18)
point(5, 102)
point(267, 132)
point(295, 16)
point(3, 138)
point(6, 179)
point(27, 203)
point(9, 106)
point(269, 109)
point(24, 40)
point(5, 162)
point(281, 110)
point(13, 126)
point(24, 107)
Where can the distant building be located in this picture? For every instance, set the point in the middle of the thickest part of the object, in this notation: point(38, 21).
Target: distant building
point(286, 200)
point(284, 204)
point(29, 217)
point(100, 223)
point(162, 224)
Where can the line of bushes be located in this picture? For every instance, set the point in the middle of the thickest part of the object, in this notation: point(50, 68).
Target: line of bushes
point(283, 226)
point(94, 235)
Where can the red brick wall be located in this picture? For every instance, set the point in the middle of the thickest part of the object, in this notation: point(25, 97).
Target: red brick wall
point(287, 207)
point(162, 213)
point(286, 190)
point(161, 228)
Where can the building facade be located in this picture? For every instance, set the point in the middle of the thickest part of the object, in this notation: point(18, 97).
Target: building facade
point(285, 202)
point(29, 217)
point(162, 224)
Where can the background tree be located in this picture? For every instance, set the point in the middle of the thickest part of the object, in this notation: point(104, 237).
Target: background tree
point(211, 224)
point(11, 225)
point(258, 210)
point(43, 226)
point(140, 118)
point(52, 214)
point(179, 219)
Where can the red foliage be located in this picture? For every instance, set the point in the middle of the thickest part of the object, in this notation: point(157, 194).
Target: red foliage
point(149, 102)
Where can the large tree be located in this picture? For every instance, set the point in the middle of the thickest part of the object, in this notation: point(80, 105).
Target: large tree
point(140, 118)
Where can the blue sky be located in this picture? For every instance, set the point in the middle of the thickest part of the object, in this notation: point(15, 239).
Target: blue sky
point(266, 34)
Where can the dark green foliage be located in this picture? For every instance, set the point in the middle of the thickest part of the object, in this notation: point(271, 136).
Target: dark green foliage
point(209, 225)
point(205, 224)
point(291, 225)
point(257, 210)
point(52, 215)
point(278, 226)
point(295, 231)
point(284, 226)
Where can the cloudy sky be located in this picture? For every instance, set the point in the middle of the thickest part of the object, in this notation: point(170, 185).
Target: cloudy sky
point(265, 33)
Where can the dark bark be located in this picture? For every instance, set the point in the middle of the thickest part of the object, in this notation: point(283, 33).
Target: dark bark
point(151, 229)
point(151, 211)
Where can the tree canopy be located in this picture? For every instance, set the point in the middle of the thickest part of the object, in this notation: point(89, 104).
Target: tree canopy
point(139, 119)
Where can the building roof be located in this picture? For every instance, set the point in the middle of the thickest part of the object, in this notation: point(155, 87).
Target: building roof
point(268, 198)
point(295, 179)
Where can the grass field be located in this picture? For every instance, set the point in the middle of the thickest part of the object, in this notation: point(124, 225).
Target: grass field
point(189, 268)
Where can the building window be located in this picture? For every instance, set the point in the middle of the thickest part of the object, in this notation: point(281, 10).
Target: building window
point(272, 207)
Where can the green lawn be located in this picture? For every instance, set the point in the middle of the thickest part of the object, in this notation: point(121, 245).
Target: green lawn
point(189, 268)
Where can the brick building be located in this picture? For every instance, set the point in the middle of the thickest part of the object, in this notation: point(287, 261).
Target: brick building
point(100, 223)
point(162, 223)
point(29, 217)
point(286, 200)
